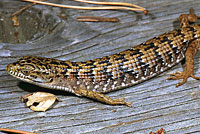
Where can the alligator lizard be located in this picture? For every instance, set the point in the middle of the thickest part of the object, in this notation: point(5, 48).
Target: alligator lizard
point(92, 78)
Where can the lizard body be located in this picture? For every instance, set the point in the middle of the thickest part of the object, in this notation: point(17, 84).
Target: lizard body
point(127, 68)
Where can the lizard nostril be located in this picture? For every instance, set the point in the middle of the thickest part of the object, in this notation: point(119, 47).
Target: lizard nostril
point(8, 67)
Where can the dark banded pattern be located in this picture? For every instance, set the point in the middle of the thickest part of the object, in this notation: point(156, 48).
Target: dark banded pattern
point(110, 72)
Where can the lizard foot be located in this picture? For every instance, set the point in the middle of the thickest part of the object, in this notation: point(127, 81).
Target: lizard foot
point(101, 97)
point(121, 101)
point(181, 75)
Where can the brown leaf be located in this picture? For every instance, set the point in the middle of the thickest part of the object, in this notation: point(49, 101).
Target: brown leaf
point(42, 99)
point(161, 131)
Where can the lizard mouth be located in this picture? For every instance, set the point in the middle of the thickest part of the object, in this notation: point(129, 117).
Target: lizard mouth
point(11, 70)
point(35, 81)
point(18, 75)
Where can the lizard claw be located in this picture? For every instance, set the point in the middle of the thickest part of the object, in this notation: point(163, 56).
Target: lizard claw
point(176, 76)
point(194, 77)
point(181, 75)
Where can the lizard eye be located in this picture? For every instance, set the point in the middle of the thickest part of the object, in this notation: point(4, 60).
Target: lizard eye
point(51, 80)
point(25, 72)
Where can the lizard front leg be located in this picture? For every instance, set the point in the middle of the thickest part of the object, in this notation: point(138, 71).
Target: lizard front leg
point(189, 64)
point(100, 97)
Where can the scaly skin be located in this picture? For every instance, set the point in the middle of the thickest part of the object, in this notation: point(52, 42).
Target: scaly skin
point(94, 77)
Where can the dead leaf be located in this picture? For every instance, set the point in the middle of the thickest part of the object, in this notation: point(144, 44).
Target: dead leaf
point(161, 131)
point(39, 101)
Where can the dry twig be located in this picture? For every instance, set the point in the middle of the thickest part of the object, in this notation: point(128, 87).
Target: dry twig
point(15, 131)
point(24, 8)
point(96, 8)
point(110, 3)
point(96, 19)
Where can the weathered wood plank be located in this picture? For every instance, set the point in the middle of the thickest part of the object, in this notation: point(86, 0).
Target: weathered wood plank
point(156, 103)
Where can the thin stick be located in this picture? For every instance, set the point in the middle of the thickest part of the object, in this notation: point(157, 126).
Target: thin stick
point(24, 8)
point(96, 19)
point(86, 8)
point(15, 131)
point(110, 3)
point(114, 3)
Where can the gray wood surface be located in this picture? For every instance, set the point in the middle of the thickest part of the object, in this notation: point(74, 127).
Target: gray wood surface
point(156, 103)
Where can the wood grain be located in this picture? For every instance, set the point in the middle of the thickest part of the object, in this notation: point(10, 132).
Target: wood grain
point(156, 103)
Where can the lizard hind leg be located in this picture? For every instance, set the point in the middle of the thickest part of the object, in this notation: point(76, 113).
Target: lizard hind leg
point(189, 64)
point(185, 19)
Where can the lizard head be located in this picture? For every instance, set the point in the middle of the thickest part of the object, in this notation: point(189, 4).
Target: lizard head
point(36, 70)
